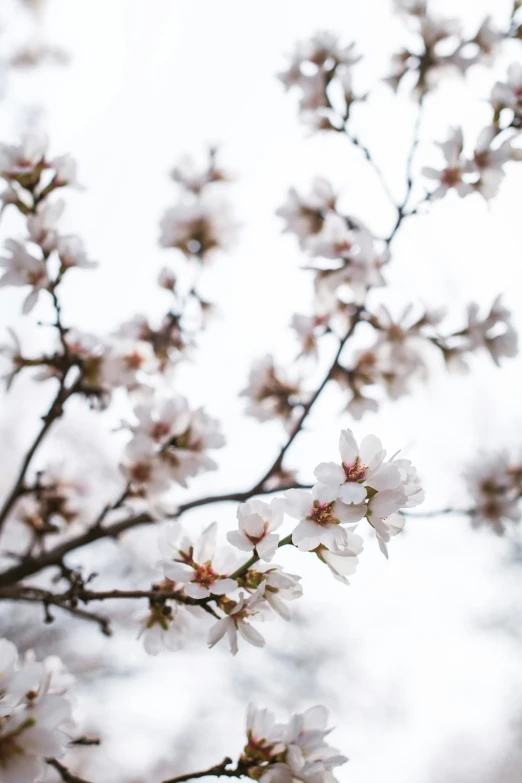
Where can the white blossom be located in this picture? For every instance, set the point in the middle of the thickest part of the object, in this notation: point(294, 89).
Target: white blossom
point(320, 516)
point(451, 176)
point(42, 225)
point(342, 561)
point(257, 521)
point(199, 567)
point(72, 253)
point(237, 621)
point(304, 214)
point(20, 160)
point(163, 627)
point(360, 467)
point(200, 228)
point(23, 269)
point(508, 94)
point(279, 587)
point(33, 719)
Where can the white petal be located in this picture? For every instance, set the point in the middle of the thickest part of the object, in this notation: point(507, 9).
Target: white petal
point(249, 633)
point(299, 503)
point(352, 492)
point(223, 586)
point(329, 473)
point(267, 547)
point(307, 535)
point(348, 447)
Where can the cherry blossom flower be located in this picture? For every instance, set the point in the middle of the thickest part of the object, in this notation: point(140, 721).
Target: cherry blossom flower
point(199, 567)
point(305, 214)
point(279, 587)
point(23, 269)
point(508, 94)
point(495, 485)
point(361, 467)
point(142, 467)
point(19, 161)
point(124, 361)
point(164, 627)
point(200, 228)
point(257, 521)
point(342, 561)
point(320, 516)
point(72, 253)
point(264, 735)
point(178, 437)
point(194, 177)
point(451, 176)
point(382, 514)
point(65, 171)
point(271, 394)
point(494, 332)
point(33, 720)
point(237, 621)
point(42, 225)
point(309, 329)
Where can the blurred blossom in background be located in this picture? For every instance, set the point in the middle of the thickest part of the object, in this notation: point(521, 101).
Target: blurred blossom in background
point(418, 661)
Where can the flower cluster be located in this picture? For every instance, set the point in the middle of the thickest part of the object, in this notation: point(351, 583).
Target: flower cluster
point(200, 224)
point(363, 485)
point(170, 444)
point(271, 394)
point(35, 716)
point(297, 750)
point(321, 70)
point(482, 172)
point(439, 45)
point(495, 485)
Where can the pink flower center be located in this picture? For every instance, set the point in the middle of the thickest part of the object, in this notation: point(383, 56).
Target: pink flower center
point(323, 514)
point(356, 471)
point(451, 177)
point(133, 360)
point(204, 574)
point(159, 430)
point(141, 472)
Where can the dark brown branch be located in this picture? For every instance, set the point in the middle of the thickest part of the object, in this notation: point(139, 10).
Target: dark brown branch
point(64, 773)
point(54, 557)
point(48, 599)
point(53, 414)
point(218, 771)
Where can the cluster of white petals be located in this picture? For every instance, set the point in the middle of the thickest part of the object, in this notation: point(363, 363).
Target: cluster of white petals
point(363, 486)
point(495, 486)
point(321, 71)
point(293, 751)
point(35, 715)
point(170, 444)
point(439, 47)
point(482, 172)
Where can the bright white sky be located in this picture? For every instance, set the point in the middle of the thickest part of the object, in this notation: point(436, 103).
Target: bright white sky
point(414, 659)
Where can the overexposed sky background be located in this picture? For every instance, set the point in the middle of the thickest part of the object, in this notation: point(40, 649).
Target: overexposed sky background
point(419, 659)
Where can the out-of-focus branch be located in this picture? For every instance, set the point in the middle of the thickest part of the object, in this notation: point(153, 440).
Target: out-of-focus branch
point(64, 773)
point(439, 512)
point(53, 414)
point(218, 771)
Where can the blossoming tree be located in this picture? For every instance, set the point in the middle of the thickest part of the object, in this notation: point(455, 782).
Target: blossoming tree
point(227, 585)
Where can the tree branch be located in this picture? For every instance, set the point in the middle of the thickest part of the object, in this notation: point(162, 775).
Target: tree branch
point(64, 773)
point(54, 413)
point(218, 771)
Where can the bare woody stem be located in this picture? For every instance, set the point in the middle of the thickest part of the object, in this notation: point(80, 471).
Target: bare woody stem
point(218, 771)
point(54, 413)
point(64, 773)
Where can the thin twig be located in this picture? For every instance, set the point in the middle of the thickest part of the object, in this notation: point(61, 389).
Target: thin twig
point(64, 773)
point(219, 770)
point(54, 413)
